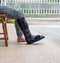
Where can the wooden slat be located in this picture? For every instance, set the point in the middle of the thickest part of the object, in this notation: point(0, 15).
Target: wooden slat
point(1, 33)
point(2, 38)
point(2, 15)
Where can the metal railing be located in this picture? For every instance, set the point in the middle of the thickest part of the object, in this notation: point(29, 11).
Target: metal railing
point(37, 8)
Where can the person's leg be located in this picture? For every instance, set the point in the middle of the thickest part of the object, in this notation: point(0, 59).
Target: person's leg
point(25, 28)
point(20, 36)
point(12, 13)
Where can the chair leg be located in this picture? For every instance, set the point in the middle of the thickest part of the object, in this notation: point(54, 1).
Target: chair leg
point(6, 37)
point(5, 32)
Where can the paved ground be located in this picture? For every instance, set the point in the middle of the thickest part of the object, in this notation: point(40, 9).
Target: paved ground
point(44, 51)
point(52, 32)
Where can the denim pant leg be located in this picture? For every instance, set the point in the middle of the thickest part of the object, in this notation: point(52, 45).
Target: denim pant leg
point(18, 29)
point(12, 14)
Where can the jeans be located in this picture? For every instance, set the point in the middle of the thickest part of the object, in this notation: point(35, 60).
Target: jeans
point(13, 14)
point(18, 29)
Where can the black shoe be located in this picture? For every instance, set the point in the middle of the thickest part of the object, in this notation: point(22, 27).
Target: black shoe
point(35, 38)
point(25, 29)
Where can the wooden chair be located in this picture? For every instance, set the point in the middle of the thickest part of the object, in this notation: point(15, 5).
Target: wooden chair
point(4, 27)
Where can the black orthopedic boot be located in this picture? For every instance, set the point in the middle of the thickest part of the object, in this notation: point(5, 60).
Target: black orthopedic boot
point(28, 36)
